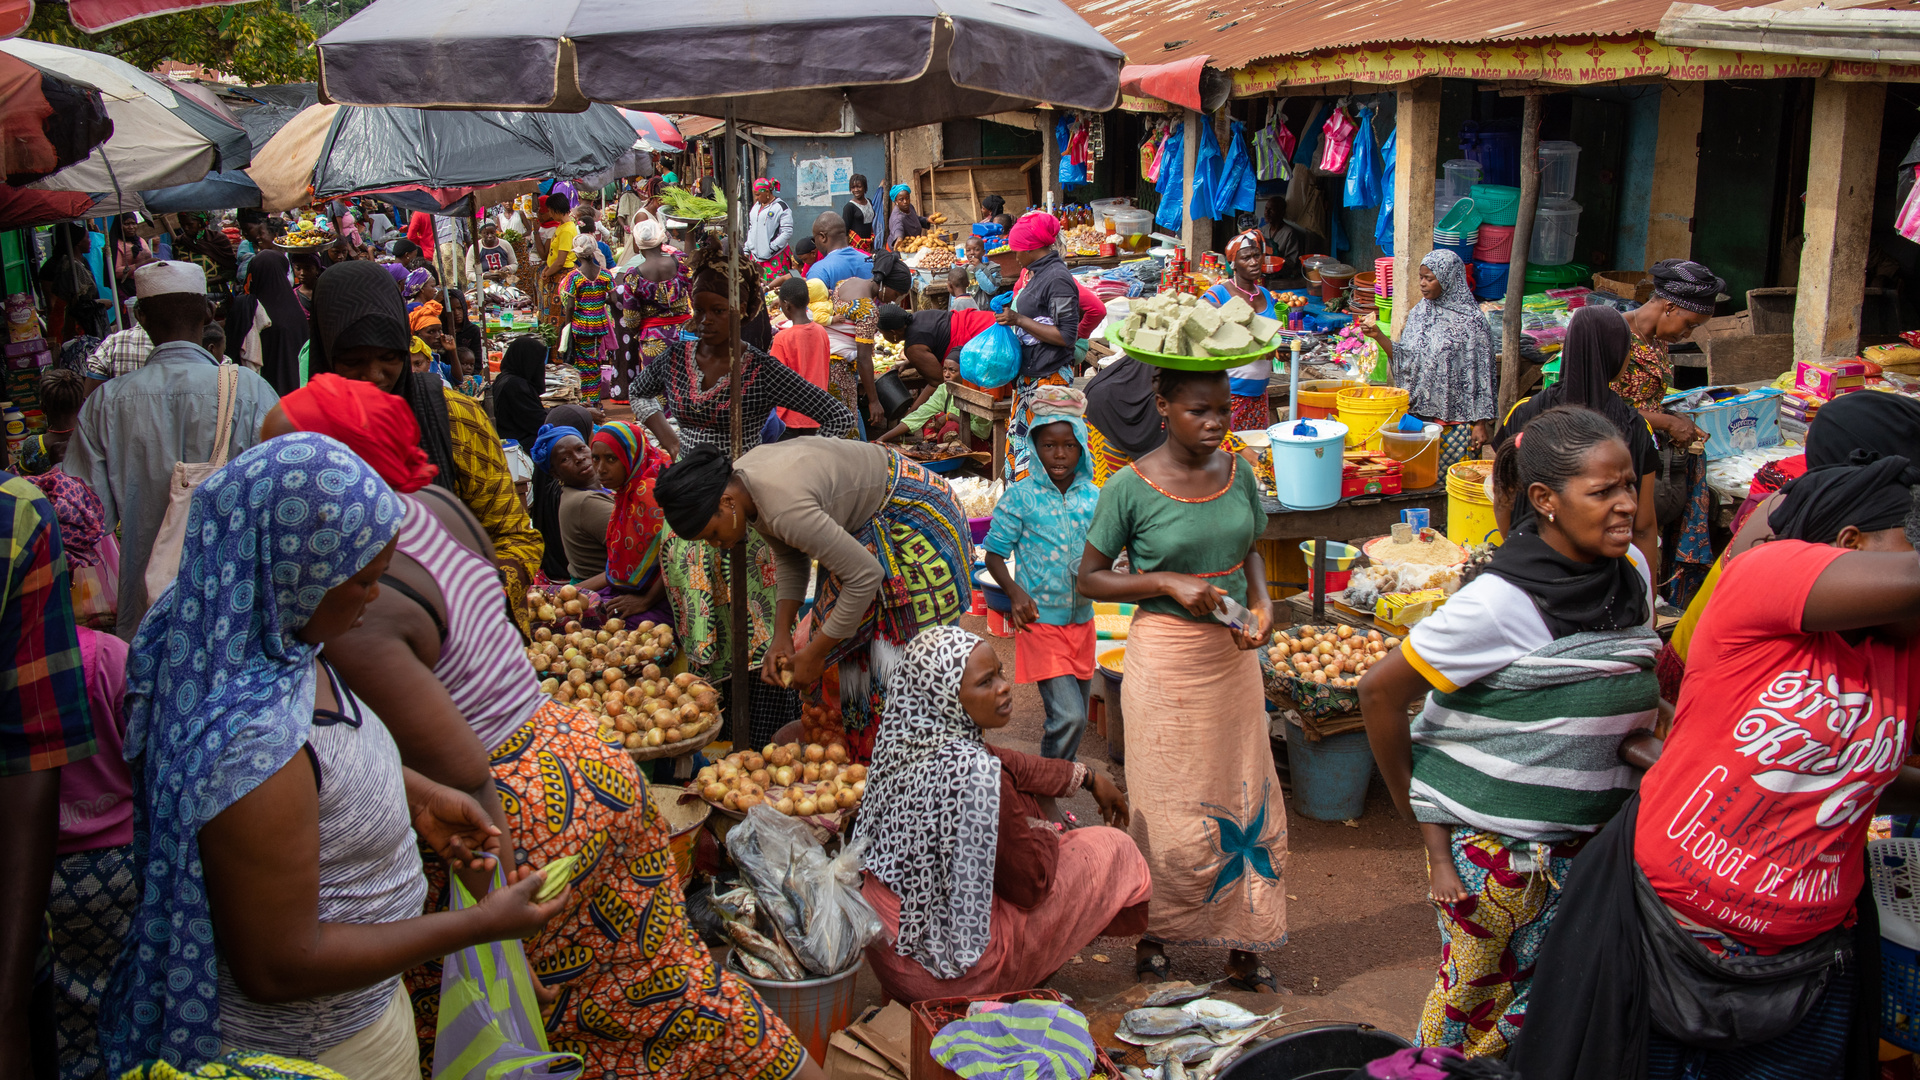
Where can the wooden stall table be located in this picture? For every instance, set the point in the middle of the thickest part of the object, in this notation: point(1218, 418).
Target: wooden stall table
point(996, 410)
point(1362, 515)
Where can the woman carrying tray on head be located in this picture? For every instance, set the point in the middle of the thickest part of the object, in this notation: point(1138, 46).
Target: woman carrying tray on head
point(436, 653)
point(1207, 809)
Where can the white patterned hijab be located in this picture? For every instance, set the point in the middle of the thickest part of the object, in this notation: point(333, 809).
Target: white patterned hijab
point(931, 815)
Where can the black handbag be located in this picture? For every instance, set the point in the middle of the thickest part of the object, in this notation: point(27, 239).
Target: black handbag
point(1672, 484)
point(1714, 1002)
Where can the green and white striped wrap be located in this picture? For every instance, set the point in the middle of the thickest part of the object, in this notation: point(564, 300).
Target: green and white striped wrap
point(1532, 751)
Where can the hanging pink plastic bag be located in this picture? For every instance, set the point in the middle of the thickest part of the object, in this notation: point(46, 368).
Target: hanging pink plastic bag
point(1907, 224)
point(1336, 147)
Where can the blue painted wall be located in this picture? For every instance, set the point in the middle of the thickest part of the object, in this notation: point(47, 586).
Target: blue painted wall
point(869, 154)
point(1636, 180)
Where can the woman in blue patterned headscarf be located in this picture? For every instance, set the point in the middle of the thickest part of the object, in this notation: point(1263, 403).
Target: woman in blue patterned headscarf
point(283, 549)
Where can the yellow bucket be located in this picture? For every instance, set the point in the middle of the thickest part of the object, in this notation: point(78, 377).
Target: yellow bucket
point(1367, 409)
point(1470, 517)
point(1319, 397)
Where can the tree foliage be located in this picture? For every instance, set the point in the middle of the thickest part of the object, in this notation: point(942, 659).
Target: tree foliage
point(258, 43)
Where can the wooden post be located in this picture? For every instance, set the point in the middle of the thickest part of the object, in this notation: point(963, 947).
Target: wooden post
point(1196, 235)
point(1522, 245)
point(1676, 169)
point(740, 697)
point(1416, 147)
point(1049, 161)
point(1833, 264)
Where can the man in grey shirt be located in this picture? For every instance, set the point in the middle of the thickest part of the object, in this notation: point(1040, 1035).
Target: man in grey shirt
point(134, 428)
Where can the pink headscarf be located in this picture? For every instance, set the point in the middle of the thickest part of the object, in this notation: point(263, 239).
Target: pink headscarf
point(1034, 231)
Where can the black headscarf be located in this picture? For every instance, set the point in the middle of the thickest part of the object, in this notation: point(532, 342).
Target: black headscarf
point(546, 490)
point(1120, 406)
point(891, 270)
point(517, 411)
point(1572, 597)
point(1598, 341)
point(269, 287)
point(356, 304)
point(1858, 428)
point(1686, 284)
point(1870, 497)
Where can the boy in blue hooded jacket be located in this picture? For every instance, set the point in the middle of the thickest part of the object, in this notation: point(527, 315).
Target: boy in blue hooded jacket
point(1042, 522)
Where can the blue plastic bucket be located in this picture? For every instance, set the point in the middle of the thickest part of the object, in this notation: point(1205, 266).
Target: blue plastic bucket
point(1463, 248)
point(1330, 776)
point(1306, 468)
point(1490, 280)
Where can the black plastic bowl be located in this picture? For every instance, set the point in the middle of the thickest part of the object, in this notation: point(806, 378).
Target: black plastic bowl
point(1321, 1053)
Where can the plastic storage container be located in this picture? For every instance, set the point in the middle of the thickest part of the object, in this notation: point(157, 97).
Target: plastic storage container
point(1490, 280)
point(1320, 397)
point(1497, 205)
point(1559, 164)
point(1366, 410)
point(1306, 468)
point(1459, 175)
point(1555, 224)
point(1470, 517)
point(1496, 244)
point(1330, 776)
point(1418, 453)
point(1133, 226)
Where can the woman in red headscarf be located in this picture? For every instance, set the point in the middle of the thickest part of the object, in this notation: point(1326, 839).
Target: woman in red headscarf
point(1247, 384)
point(437, 659)
point(636, 533)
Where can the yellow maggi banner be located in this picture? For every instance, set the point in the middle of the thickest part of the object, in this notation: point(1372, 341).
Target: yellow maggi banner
point(1572, 61)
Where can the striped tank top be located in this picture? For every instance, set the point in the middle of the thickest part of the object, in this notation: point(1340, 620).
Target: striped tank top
point(483, 663)
point(369, 873)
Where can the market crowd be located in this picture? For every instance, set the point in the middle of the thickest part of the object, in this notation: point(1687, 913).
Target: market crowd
point(274, 743)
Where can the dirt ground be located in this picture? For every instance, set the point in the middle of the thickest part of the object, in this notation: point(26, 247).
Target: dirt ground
point(1361, 942)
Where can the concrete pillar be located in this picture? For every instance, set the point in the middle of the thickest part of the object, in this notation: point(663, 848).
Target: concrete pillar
point(1416, 118)
point(1844, 151)
point(1676, 168)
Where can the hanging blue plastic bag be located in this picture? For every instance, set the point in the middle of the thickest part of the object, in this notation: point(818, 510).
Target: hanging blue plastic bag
point(1172, 184)
point(1070, 173)
point(489, 1025)
point(1383, 226)
point(1237, 179)
point(992, 358)
point(1363, 167)
point(1206, 177)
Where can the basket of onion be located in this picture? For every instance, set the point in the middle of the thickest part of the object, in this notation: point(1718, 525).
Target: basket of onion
point(1318, 668)
point(809, 781)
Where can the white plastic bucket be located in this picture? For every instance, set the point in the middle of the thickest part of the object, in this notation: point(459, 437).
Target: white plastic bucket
point(1306, 467)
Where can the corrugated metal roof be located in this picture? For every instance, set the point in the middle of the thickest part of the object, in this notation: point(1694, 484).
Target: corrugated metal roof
point(1236, 34)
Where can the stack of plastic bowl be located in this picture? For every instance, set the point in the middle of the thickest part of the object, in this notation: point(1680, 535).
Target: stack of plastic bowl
point(1364, 296)
point(1459, 230)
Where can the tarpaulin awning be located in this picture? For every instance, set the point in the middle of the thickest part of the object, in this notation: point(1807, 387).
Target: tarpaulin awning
point(828, 65)
point(1177, 82)
point(333, 150)
point(94, 16)
point(22, 208)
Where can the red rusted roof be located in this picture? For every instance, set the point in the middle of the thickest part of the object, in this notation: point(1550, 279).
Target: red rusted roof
point(1236, 34)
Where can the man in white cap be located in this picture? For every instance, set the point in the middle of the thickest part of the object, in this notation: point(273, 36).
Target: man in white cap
point(136, 426)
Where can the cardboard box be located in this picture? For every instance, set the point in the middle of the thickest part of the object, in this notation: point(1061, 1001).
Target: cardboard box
point(1828, 379)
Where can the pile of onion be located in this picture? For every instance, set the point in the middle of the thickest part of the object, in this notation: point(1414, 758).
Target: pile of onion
point(1331, 655)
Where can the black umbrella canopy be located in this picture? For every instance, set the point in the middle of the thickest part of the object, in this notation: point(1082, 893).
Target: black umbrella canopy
point(822, 66)
point(372, 149)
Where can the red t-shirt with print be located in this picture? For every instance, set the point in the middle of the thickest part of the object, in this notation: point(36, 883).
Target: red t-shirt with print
point(1753, 821)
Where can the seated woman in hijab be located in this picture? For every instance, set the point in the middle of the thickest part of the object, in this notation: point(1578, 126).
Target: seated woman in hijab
point(518, 412)
point(1735, 882)
point(361, 332)
point(1595, 351)
point(979, 895)
point(584, 506)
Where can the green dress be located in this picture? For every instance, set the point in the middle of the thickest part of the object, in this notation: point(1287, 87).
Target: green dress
point(1207, 537)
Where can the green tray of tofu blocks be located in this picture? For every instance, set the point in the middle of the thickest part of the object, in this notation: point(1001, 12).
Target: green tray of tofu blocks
point(1181, 331)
